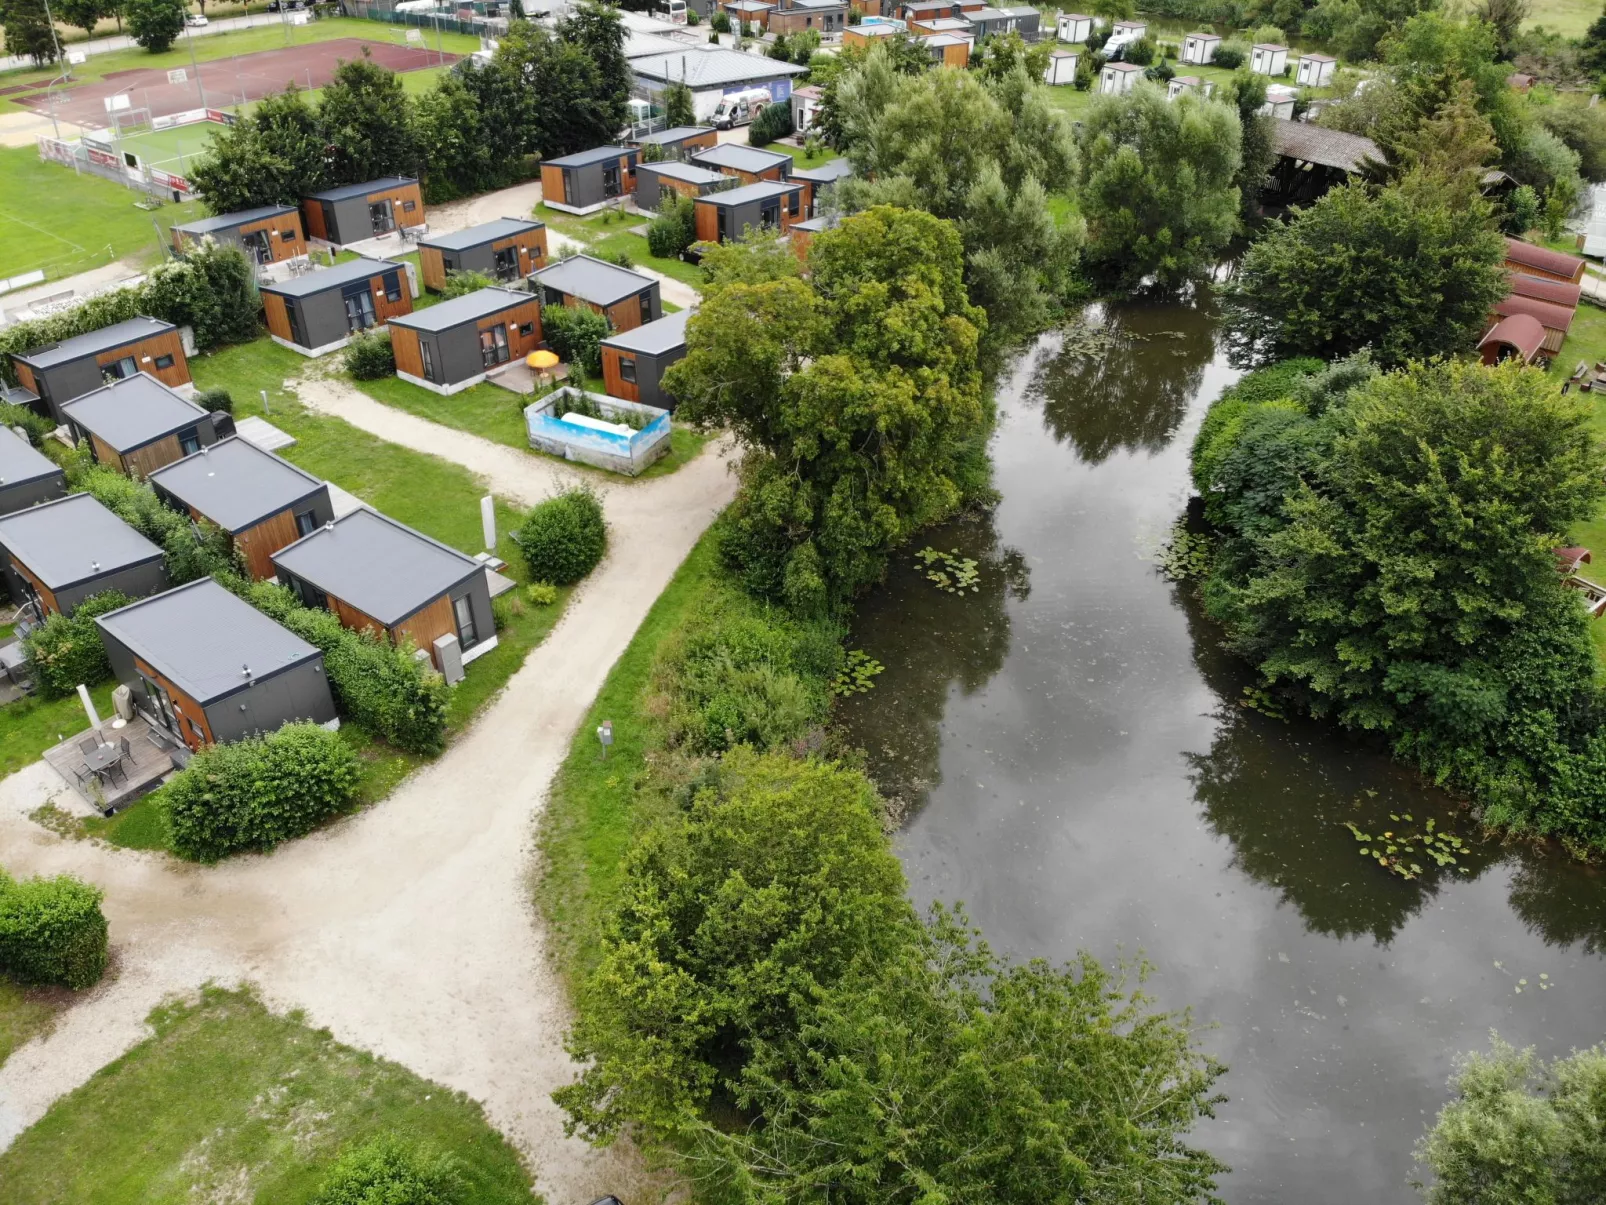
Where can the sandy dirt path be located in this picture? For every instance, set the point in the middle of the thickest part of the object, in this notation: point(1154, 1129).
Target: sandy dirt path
point(407, 930)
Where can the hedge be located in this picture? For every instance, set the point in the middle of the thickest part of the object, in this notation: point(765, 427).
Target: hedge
point(67, 650)
point(52, 931)
point(369, 356)
point(390, 1171)
point(255, 793)
point(564, 537)
point(576, 333)
point(189, 550)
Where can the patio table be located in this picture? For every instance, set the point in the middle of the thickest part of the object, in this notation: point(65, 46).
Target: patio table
point(103, 757)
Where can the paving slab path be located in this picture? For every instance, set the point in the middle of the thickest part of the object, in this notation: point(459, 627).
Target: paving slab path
point(407, 929)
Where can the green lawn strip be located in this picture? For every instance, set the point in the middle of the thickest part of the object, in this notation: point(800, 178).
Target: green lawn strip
point(596, 805)
point(635, 246)
point(1570, 18)
point(230, 1102)
point(802, 158)
point(25, 1013)
point(33, 724)
point(1586, 340)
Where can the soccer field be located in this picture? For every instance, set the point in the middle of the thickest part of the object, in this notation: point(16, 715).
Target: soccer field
point(170, 149)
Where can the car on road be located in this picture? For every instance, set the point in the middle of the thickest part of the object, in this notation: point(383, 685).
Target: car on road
point(196, 20)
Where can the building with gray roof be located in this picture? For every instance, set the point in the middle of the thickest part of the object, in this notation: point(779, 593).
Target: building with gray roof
point(712, 71)
point(587, 180)
point(657, 181)
point(679, 141)
point(454, 345)
point(59, 372)
point(354, 212)
point(505, 249)
point(751, 163)
point(27, 476)
point(138, 424)
point(320, 312)
point(268, 233)
point(627, 299)
point(374, 572)
point(209, 668)
point(766, 205)
point(59, 553)
point(820, 180)
point(633, 362)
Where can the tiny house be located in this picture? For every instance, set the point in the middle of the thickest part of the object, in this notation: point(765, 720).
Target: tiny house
point(928, 10)
point(319, 313)
point(59, 553)
point(753, 13)
point(1124, 33)
point(805, 106)
point(678, 142)
point(356, 212)
point(62, 371)
point(633, 362)
point(1268, 58)
point(1061, 67)
point(868, 35)
point(1073, 27)
point(818, 181)
point(655, 181)
point(948, 50)
point(1119, 78)
point(798, 16)
point(1316, 70)
point(1178, 84)
point(451, 346)
point(586, 181)
point(27, 476)
point(1280, 102)
point(1200, 49)
point(267, 234)
point(627, 299)
point(504, 249)
point(931, 25)
point(1519, 337)
point(138, 424)
point(1543, 262)
point(263, 502)
point(768, 205)
point(377, 574)
point(208, 667)
point(802, 233)
point(749, 164)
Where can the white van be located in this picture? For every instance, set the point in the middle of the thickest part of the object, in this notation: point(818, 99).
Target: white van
point(739, 108)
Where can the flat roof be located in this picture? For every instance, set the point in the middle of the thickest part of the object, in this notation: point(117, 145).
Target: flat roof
point(712, 67)
point(330, 278)
point(689, 172)
point(205, 640)
point(92, 343)
point(985, 14)
point(236, 484)
point(470, 307)
point(1122, 67)
point(477, 236)
point(760, 191)
point(597, 154)
point(1268, 46)
point(946, 39)
point(829, 221)
point(1319, 58)
point(880, 29)
point(383, 568)
point(20, 461)
point(655, 337)
point(947, 24)
point(593, 280)
point(72, 540)
point(677, 134)
point(346, 191)
point(1204, 37)
point(740, 158)
point(132, 412)
point(834, 169)
point(228, 221)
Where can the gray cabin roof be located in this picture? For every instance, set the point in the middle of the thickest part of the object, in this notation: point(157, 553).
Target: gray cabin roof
point(740, 158)
point(712, 67)
point(655, 337)
point(206, 641)
point(20, 461)
point(72, 540)
point(597, 154)
point(94, 342)
point(828, 221)
point(314, 283)
point(346, 191)
point(478, 236)
point(236, 484)
point(761, 191)
point(383, 568)
point(470, 307)
point(132, 412)
point(689, 172)
point(677, 134)
point(228, 221)
point(593, 280)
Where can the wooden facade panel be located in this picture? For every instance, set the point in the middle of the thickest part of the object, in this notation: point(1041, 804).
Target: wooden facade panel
point(25, 376)
point(280, 248)
point(168, 343)
point(106, 454)
point(404, 344)
point(957, 55)
point(614, 383)
point(625, 315)
point(47, 596)
point(258, 544)
point(312, 219)
point(351, 617)
point(431, 268)
point(552, 184)
point(278, 318)
point(531, 246)
point(424, 626)
point(191, 715)
point(386, 309)
point(142, 462)
point(706, 221)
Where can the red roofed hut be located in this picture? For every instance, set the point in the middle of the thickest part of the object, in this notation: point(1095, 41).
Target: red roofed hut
point(1556, 319)
point(1557, 292)
point(1519, 337)
point(1541, 261)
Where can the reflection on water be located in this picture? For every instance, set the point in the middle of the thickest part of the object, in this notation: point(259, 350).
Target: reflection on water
point(1086, 779)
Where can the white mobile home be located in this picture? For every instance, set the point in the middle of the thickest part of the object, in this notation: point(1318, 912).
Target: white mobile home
point(1073, 27)
point(1280, 102)
point(1188, 83)
point(1316, 70)
point(1061, 67)
point(1117, 79)
point(1200, 48)
point(1268, 58)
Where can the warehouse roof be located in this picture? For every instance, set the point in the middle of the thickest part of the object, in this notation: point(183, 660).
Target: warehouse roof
point(712, 67)
point(478, 236)
point(236, 484)
point(72, 540)
point(20, 461)
point(368, 187)
point(592, 280)
point(347, 273)
point(132, 412)
point(92, 343)
point(653, 338)
point(228, 221)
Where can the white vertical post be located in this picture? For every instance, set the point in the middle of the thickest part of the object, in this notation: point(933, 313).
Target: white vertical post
point(488, 521)
point(89, 710)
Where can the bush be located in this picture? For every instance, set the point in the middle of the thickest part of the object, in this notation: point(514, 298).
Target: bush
point(35, 426)
point(1159, 73)
point(692, 18)
point(369, 356)
point(773, 121)
point(388, 1171)
point(713, 37)
point(155, 24)
point(255, 793)
point(576, 333)
point(52, 931)
point(541, 594)
point(720, 22)
point(616, 255)
point(189, 550)
point(1140, 52)
point(674, 229)
point(460, 283)
point(564, 537)
point(67, 650)
point(215, 399)
point(1229, 56)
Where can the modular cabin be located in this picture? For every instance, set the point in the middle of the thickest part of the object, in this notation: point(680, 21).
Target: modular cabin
point(1061, 67)
point(1119, 78)
point(954, 25)
point(799, 16)
point(264, 503)
point(802, 233)
point(806, 103)
point(1520, 337)
point(138, 424)
point(765, 206)
point(748, 164)
point(753, 13)
point(656, 181)
point(626, 299)
point(1199, 49)
point(1315, 70)
point(1073, 27)
point(1268, 58)
point(1178, 84)
point(59, 372)
point(678, 142)
point(454, 345)
point(927, 10)
point(633, 362)
point(208, 667)
point(1543, 262)
point(356, 212)
point(869, 35)
point(1280, 102)
point(267, 235)
point(505, 249)
point(59, 553)
point(27, 476)
point(319, 313)
point(377, 574)
point(948, 50)
point(585, 182)
point(1022, 20)
point(865, 8)
point(819, 181)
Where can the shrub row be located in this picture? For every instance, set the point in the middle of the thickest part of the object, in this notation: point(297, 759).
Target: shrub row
point(189, 550)
point(52, 931)
point(576, 334)
point(564, 537)
point(67, 650)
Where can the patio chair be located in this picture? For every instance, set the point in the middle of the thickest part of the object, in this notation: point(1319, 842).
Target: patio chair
point(122, 745)
point(82, 774)
point(116, 773)
point(89, 745)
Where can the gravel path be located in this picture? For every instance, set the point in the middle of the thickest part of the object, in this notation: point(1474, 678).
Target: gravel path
point(406, 930)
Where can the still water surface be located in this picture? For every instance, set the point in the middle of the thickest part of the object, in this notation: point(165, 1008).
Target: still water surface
point(1081, 776)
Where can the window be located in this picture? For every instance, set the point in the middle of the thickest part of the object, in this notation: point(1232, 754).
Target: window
point(409, 206)
point(527, 330)
point(646, 306)
point(359, 307)
point(289, 236)
point(493, 345)
point(118, 370)
point(610, 181)
point(505, 263)
point(298, 326)
point(627, 370)
point(189, 440)
point(305, 522)
point(723, 231)
point(463, 609)
point(310, 595)
point(428, 357)
point(793, 201)
point(164, 361)
point(551, 296)
point(769, 216)
point(382, 217)
point(392, 286)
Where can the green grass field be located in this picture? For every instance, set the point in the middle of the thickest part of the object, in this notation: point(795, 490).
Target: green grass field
point(168, 149)
point(1567, 17)
point(24, 1013)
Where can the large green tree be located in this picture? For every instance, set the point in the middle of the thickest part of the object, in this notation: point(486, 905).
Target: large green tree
point(1157, 185)
point(597, 31)
point(679, 106)
point(155, 24)
point(569, 107)
point(28, 30)
point(367, 120)
point(274, 155)
point(83, 14)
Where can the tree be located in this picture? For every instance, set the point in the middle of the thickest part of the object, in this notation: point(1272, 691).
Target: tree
point(461, 155)
point(1592, 52)
point(155, 24)
point(1157, 185)
point(679, 107)
point(1448, 152)
point(596, 30)
point(274, 155)
point(1408, 272)
point(1257, 153)
point(562, 89)
point(367, 121)
point(1115, 10)
point(1506, 18)
point(82, 14)
point(28, 30)
point(1583, 129)
point(1518, 1130)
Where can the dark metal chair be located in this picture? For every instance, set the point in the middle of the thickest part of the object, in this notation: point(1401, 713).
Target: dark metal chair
point(88, 746)
point(115, 773)
point(122, 744)
point(82, 774)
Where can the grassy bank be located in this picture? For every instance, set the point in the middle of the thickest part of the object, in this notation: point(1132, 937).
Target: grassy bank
point(24, 1014)
point(229, 1102)
point(31, 725)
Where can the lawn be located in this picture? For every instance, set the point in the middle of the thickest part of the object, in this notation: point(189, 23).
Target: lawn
point(609, 232)
point(31, 725)
point(55, 220)
point(24, 1013)
point(1570, 18)
point(800, 155)
point(228, 1102)
point(1586, 340)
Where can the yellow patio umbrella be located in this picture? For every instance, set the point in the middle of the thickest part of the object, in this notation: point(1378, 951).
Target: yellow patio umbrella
point(542, 360)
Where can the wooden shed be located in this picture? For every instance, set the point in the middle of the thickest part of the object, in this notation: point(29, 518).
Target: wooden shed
point(454, 345)
point(627, 299)
point(138, 424)
point(319, 313)
point(59, 372)
point(504, 249)
point(355, 212)
point(268, 234)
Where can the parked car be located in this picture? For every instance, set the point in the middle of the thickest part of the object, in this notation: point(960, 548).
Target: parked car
point(196, 20)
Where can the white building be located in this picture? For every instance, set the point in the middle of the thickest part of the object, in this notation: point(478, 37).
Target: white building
point(1268, 58)
point(1129, 31)
point(1280, 102)
point(711, 72)
point(1073, 27)
point(1200, 48)
point(1119, 78)
point(1316, 70)
point(1188, 83)
point(1061, 67)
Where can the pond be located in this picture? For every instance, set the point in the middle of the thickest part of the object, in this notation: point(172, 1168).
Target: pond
point(1078, 768)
